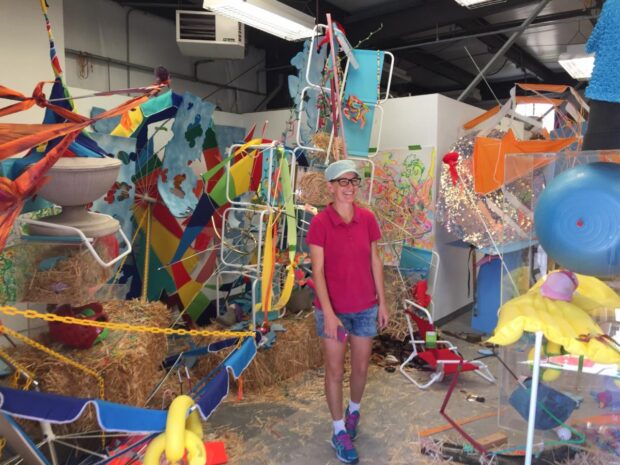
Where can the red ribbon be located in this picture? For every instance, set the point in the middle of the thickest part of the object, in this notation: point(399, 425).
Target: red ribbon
point(451, 159)
point(420, 294)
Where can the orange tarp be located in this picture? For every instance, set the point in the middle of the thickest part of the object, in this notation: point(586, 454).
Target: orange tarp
point(480, 119)
point(13, 194)
point(38, 98)
point(490, 159)
point(12, 145)
point(14, 131)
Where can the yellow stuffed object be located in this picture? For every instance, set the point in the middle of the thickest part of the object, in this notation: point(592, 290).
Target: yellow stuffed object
point(591, 294)
point(550, 349)
point(551, 307)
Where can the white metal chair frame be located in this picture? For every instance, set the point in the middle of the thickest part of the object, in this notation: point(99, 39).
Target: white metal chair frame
point(439, 374)
point(84, 240)
point(321, 29)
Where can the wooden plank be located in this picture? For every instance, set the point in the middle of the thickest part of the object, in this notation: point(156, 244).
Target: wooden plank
point(493, 440)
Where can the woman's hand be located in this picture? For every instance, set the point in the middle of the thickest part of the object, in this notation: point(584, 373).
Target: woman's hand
point(382, 317)
point(330, 325)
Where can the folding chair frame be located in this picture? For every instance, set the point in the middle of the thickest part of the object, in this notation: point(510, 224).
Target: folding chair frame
point(482, 370)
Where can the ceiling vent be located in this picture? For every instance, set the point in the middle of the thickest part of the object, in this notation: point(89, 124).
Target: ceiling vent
point(205, 34)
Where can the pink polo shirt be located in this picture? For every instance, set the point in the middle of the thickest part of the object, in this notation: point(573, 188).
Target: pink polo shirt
point(347, 255)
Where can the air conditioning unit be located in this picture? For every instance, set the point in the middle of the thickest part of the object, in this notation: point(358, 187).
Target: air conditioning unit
point(205, 34)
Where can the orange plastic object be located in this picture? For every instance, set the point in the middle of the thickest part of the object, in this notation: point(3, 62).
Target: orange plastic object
point(216, 453)
point(490, 156)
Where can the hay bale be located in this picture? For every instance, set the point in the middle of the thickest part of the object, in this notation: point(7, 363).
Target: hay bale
point(321, 140)
point(56, 274)
point(129, 362)
point(295, 351)
point(313, 189)
point(395, 294)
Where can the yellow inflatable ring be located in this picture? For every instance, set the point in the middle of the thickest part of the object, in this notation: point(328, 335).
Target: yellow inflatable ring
point(182, 434)
point(196, 451)
point(176, 424)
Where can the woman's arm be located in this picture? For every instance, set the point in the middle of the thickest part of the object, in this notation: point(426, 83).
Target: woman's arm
point(377, 274)
point(320, 287)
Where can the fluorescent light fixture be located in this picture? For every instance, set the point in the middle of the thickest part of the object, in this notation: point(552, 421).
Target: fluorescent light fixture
point(577, 62)
point(267, 15)
point(478, 3)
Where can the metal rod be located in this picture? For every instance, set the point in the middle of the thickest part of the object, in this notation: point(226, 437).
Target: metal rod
point(500, 53)
point(126, 45)
point(242, 73)
point(495, 31)
point(185, 77)
point(336, 89)
point(263, 103)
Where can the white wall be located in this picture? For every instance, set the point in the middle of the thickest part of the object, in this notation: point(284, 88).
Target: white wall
point(408, 121)
point(275, 123)
point(99, 27)
point(434, 120)
point(24, 49)
point(452, 291)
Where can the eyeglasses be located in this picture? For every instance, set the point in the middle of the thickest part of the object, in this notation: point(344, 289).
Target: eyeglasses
point(344, 182)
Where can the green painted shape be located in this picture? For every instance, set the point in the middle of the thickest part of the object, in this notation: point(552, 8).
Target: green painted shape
point(193, 132)
point(210, 140)
point(156, 104)
point(197, 306)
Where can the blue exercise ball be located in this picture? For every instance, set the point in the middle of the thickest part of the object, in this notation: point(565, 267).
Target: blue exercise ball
point(577, 219)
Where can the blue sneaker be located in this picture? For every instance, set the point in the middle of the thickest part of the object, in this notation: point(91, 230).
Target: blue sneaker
point(351, 420)
point(345, 450)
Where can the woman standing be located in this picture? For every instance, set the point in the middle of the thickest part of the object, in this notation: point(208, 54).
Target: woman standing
point(350, 297)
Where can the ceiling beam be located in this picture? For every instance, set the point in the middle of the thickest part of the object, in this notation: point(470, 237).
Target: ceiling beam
point(417, 89)
point(474, 32)
point(419, 18)
point(382, 10)
point(516, 54)
point(436, 65)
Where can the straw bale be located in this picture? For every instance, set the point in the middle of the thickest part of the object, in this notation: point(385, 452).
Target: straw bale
point(313, 189)
point(129, 362)
point(171, 387)
point(590, 458)
point(296, 350)
point(321, 140)
point(395, 294)
point(73, 277)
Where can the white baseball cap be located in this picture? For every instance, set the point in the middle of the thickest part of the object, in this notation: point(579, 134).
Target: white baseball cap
point(340, 167)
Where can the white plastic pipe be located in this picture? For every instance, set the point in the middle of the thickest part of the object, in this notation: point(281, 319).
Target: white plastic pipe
point(531, 418)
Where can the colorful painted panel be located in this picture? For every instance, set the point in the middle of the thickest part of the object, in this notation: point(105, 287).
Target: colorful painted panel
point(178, 185)
point(118, 201)
point(403, 199)
point(227, 136)
point(297, 83)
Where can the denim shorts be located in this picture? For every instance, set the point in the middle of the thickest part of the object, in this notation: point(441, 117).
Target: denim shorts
point(362, 324)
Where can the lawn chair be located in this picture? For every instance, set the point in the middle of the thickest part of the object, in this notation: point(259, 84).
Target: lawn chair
point(439, 355)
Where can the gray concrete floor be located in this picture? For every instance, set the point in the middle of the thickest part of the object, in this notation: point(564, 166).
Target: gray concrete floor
point(291, 424)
